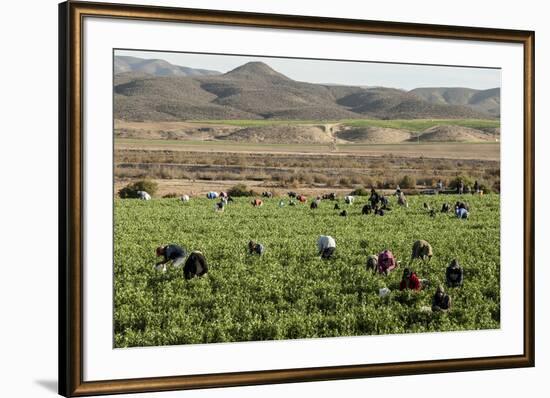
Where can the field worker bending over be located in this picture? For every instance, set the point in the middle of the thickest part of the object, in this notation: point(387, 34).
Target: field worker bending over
point(349, 199)
point(441, 300)
point(372, 262)
point(454, 275)
point(461, 205)
point(257, 203)
point(384, 201)
point(366, 209)
point(255, 248)
point(326, 245)
point(421, 249)
point(410, 281)
point(374, 198)
point(398, 191)
point(401, 200)
point(143, 195)
point(173, 253)
point(461, 213)
point(184, 198)
point(315, 204)
point(195, 265)
point(386, 262)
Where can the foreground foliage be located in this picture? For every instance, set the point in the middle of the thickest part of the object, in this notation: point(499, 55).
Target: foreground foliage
point(290, 292)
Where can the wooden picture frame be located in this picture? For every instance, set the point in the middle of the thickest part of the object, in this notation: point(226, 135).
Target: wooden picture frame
point(71, 237)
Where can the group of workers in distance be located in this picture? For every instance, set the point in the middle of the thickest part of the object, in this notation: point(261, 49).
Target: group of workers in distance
point(383, 263)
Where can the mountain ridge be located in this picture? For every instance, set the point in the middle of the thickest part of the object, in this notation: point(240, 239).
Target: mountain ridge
point(254, 90)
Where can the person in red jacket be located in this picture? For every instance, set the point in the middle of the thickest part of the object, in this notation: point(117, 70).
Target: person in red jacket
point(410, 281)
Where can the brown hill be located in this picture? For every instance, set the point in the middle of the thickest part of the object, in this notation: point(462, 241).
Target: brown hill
point(487, 101)
point(374, 135)
point(169, 98)
point(388, 103)
point(281, 134)
point(454, 134)
point(256, 88)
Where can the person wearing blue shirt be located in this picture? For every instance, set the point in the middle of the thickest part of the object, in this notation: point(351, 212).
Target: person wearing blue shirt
point(173, 253)
point(461, 213)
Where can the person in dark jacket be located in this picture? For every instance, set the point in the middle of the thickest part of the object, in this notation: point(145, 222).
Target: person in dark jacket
point(461, 213)
point(454, 274)
point(255, 248)
point(195, 265)
point(461, 205)
point(441, 300)
point(384, 201)
point(476, 187)
point(374, 198)
point(220, 206)
point(173, 253)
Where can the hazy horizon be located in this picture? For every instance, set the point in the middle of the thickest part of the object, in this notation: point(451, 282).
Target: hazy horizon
point(355, 73)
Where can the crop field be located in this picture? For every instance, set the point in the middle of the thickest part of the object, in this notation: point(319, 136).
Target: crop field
point(410, 124)
point(289, 292)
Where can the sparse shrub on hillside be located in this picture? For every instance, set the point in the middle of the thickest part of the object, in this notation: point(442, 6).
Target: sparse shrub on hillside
point(485, 187)
point(240, 190)
point(467, 181)
point(360, 191)
point(427, 182)
point(388, 183)
point(170, 195)
point(344, 181)
point(305, 178)
point(320, 179)
point(367, 182)
point(131, 190)
point(407, 182)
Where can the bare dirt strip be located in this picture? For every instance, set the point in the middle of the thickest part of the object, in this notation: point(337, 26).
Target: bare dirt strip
point(482, 151)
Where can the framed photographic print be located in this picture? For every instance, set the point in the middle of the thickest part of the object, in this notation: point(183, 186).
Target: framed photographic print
point(254, 199)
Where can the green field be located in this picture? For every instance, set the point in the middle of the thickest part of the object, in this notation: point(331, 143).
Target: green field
point(423, 124)
point(289, 292)
point(407, 124)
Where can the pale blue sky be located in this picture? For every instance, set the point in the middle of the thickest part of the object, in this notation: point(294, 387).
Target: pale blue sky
point(341, 72)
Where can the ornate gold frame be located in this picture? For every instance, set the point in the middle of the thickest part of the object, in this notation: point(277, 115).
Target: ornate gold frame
point(71, 15)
